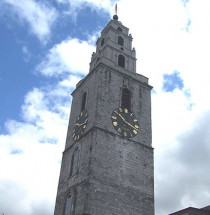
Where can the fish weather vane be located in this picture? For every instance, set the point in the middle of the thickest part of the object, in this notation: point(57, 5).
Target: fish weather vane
point(116, 9)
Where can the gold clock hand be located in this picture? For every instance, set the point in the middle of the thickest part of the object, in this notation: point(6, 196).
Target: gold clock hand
point(81, 123)
point(120, 116)
point(84, 122)
point(125, 121)
point(131, 126)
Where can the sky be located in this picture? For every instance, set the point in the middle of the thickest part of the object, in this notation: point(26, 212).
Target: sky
point(45, 49)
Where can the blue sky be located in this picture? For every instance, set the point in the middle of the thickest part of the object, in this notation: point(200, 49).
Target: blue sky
point(172, 81)
point(22, 51)
point(45, 50)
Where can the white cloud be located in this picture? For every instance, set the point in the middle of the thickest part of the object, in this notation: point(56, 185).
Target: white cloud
point(27, 54)
point(163, 44)
point(66, 58)
point(39, 16)
point(29, 175)
point(76, 5)
point(184, 175)
point(32, 151)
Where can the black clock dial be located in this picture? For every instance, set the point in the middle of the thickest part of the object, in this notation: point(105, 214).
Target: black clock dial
point(80, 125)
point(125, 122)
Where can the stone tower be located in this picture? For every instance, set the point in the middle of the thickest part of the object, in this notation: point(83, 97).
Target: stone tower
point(107, 166)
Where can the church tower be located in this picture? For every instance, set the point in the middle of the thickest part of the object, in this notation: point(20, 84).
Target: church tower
point(107, 165)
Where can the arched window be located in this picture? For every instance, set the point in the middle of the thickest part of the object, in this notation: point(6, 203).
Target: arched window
point(120, 41)
point(74, 162)
point(68, 207)
point(126, 98)
point(83, 105)
point(102, 42)
point(121, 61)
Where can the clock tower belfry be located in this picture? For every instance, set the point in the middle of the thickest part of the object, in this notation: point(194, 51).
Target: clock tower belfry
point(107, 165)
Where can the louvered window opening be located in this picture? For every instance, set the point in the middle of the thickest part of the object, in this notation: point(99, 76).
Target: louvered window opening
point(74, 165)
point(121, 61)
point(68, 205)
point(120, 41)
point(126, 99)
point(102, 42)
point(83, 101)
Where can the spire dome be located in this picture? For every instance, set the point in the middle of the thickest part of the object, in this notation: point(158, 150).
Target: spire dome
point(115, 17)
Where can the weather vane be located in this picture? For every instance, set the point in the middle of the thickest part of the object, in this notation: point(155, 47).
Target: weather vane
point(116, 9)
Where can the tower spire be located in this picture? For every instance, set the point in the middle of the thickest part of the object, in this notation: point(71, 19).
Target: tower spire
point(108, 154)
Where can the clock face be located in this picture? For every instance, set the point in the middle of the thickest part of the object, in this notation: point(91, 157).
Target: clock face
point(80, 125)
point(125, 122)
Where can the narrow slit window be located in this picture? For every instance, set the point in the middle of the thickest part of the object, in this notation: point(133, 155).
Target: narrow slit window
point(84, 96)
point(120, 41)
point(126, 98)
point(74, 162)
point(68, 207)
point(102, 42)
point(121, 61)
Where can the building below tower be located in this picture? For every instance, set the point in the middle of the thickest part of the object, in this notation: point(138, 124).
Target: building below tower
point(193, 211)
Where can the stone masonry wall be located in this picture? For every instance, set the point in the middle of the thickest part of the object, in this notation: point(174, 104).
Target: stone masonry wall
point(115, 174)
